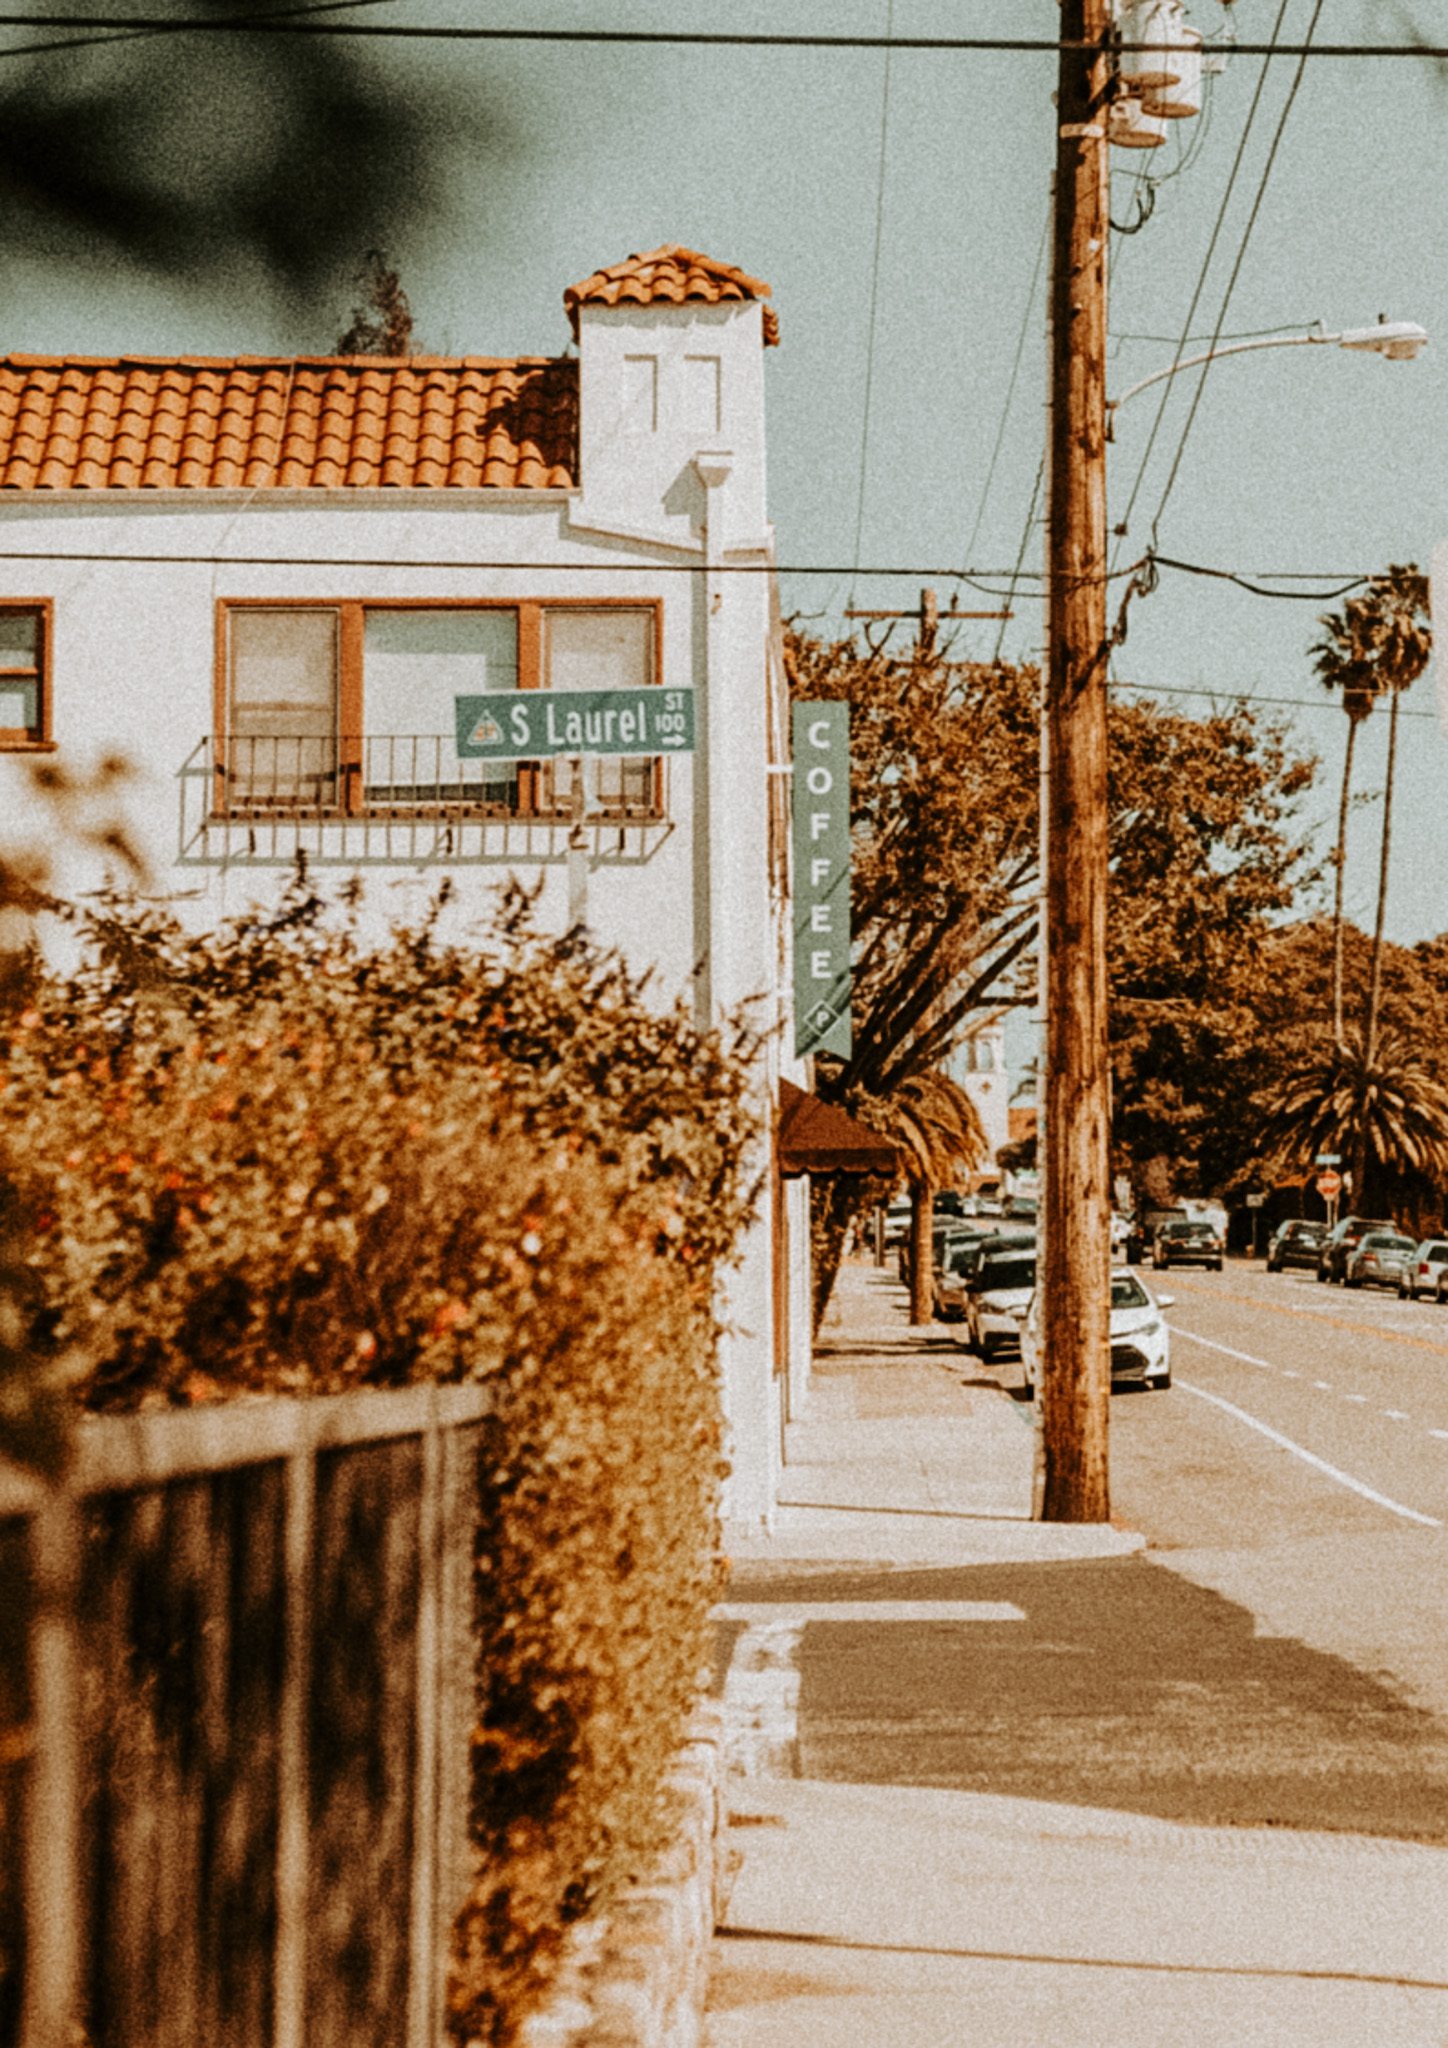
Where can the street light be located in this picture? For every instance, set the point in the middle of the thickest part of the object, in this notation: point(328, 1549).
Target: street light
point(1398, 340)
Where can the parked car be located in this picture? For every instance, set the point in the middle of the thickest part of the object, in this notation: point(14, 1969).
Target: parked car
point(1343, 1240)
point(897, 1221)
point(957, 1256)
point(1002, 1282)
point(1383, 1258)
point(1140, 1340)
point(1295, 1243)
point(1144, 1226)
point(1179, 1243)
point(1428, 1271)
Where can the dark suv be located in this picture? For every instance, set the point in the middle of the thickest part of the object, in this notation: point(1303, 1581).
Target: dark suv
point(1182, 1242)
point(1144, 1226)
point(1343, 1240)
point(1298, 1242)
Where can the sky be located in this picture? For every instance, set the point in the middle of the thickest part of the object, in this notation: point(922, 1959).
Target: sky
point(906, 400)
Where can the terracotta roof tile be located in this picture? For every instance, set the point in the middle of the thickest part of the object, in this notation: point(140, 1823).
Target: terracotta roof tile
point(316, 423)
point(669, 276)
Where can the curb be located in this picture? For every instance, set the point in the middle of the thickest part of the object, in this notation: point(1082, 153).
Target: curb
point(637, 1975)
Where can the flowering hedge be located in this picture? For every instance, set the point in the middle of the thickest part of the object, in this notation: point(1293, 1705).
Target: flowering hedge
point(273, 1159)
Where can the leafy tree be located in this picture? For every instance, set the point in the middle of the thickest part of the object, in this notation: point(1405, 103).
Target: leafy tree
point(1376, 646)
point(381, 322)
point(945, 858)
point(1207, 852)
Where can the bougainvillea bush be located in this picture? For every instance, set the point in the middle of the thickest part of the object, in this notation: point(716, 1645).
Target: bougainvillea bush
point(274, 1158)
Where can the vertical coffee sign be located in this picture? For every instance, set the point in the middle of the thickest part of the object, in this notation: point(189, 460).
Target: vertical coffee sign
point(821, 734)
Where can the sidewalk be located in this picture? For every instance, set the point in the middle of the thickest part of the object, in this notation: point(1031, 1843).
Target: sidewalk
point(904, 1915)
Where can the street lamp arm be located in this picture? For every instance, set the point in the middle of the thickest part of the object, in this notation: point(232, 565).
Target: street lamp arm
point(1208, 355)
point(1398, 340)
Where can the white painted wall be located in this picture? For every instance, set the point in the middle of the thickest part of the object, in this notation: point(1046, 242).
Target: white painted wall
point(136, 578)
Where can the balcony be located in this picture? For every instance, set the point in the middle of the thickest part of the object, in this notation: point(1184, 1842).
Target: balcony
point(406, 798)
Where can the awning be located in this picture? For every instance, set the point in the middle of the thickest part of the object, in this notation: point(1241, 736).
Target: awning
point(820, 1137)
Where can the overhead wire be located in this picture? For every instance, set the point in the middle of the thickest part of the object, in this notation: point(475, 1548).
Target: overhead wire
point(1124, 524)
point(995, 453)
point(874, 296)
point(1242, 247)
point(136, 35)
point(248, 23)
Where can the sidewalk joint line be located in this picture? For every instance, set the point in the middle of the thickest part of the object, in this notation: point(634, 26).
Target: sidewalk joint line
point(727, 1932)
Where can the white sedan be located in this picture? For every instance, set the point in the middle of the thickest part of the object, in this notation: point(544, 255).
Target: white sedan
point(1140, 1340)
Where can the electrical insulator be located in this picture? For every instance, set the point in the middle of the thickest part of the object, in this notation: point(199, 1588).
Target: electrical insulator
point(1178, 101)
point(1149, 21)
point(1131, 128)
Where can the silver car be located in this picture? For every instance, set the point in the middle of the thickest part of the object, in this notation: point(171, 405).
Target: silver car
point(1428, 1274)
point(996, 1297)
point(1383, 1258)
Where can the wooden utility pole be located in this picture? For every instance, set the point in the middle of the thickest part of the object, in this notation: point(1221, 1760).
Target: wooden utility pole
point(1076, 1249)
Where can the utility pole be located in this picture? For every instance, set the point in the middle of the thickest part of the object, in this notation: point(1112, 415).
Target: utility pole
point(1076, 1250)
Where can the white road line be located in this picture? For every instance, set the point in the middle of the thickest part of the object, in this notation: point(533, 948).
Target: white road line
point(1354, 1397)
point(1396, 1415)
point(1323, 1386)
point(1275, 1436)
point(1285, 1370)
point(1245, 1357)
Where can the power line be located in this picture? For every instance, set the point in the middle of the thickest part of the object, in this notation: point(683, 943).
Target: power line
point(1262, 185)
point(1201, 283)
point(1010, 388)
point(874, 294)
point(252, 24)
point(1251, 698)
point(987, 580)
point(136, 35)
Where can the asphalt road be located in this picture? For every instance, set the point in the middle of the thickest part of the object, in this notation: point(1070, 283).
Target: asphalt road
point(1277, 1655)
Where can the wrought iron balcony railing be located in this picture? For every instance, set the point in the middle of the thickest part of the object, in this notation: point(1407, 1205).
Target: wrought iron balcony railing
point(394, 796)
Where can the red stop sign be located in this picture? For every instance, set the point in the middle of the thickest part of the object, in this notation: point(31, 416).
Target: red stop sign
point(1329, 1184)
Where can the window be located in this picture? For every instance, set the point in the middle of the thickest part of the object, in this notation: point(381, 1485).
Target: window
point(351, 707)
point(24, 678)
point(605, 649)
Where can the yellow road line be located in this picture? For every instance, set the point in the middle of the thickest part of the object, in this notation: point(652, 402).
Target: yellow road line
point(1315, 1315)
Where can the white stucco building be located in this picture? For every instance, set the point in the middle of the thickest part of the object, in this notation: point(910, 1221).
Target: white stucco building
point(265, 584)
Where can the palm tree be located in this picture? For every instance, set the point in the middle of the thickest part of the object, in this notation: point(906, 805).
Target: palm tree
point(938, 1130)
point(1377, 645)
point(1380, 1107)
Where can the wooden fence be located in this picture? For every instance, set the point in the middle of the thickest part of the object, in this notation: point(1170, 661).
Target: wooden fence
point(236, 1682)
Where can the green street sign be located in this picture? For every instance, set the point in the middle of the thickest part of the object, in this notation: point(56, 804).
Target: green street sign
point(536, 725)
point(821, 835)
point(1329, 1159)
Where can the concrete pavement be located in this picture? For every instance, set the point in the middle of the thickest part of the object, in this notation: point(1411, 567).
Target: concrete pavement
point(914, 1915)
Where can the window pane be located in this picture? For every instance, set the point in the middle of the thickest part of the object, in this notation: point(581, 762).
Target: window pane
point(283, 740)
point(414, 665)
point(602, 650)
point(19, 705)
point(19, 639)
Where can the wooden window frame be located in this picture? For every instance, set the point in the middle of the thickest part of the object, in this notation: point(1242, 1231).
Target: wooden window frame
point(533, 780)
point(36, 739)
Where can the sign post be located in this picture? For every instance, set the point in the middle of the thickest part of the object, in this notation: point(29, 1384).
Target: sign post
point(821, 833)
point(1329, 1186)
